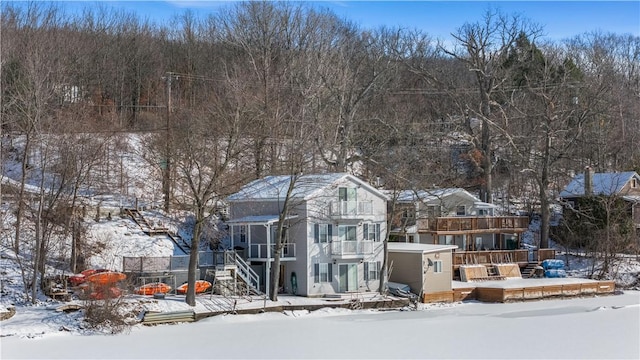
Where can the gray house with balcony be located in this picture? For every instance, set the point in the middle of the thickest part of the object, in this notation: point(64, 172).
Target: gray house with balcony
point(334, 232)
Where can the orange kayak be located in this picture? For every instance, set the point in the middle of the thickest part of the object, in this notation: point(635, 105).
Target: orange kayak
point(105, 278)
point(106, 293)
point(201, 286)
point(153, 288)
point(77, 279)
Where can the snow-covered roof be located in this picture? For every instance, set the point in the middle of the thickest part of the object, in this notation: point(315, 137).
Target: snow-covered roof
point(434, 194)
point(603, 184)
point(419, 248)
point(275, 187)
point(260, 219)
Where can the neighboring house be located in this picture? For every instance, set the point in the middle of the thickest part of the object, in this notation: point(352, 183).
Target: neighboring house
point(453, 216)
point(334, 232)
point(624, 185)
point(427, 269)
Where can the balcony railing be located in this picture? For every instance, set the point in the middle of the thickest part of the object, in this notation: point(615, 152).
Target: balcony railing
point(501, 256)
point(350, 208)
point(469, 223)
point(351, 248)
point(259, 251)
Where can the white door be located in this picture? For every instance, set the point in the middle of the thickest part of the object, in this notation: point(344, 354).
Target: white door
point(348, 277)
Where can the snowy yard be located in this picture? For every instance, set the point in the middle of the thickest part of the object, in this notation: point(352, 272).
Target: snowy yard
point(585, 328)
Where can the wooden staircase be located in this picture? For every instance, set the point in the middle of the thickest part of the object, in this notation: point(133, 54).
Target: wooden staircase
point(529, 270)
point(151, 230)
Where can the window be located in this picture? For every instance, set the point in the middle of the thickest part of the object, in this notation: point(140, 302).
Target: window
point(347, 194)
point(634, 183)
point(483, 212)
point(433, 211)
point(372, 270)
point(371, 232)
point(347, 233)
point(240, 233)
point(322, 273)
point(408, 213)
point(460, 210)
point(322, 233)
point(437, 266)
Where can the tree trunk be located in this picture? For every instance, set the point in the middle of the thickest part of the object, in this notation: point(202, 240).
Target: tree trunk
point(193, 259)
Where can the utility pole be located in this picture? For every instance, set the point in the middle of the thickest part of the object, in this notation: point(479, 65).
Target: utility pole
point(166, 171)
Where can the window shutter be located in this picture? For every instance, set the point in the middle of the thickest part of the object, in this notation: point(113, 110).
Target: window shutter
point(316, 233)
point(330, 271)
point(365, 230)
point(378, 235)
point(329, 233)
point(366, 271)
point(316, 273)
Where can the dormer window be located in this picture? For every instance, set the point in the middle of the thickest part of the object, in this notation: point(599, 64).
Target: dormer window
point(634, 183)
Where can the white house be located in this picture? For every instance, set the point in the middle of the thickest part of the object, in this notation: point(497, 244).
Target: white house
point(334, 232)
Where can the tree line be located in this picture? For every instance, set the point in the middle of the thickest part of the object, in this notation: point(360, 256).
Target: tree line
point(264, 88)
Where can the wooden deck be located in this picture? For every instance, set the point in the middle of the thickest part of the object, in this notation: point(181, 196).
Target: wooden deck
point(530, 289)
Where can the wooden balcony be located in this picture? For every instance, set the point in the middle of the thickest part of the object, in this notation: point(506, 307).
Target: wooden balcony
point(460, 224)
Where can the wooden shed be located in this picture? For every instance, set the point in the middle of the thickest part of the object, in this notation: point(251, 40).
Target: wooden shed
point(426, 268)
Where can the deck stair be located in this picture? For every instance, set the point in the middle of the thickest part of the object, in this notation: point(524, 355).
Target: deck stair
point(234, 277)
point(356, 301)
point(530, 269)
point(150, 229)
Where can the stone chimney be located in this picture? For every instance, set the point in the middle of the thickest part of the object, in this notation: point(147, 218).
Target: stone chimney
point(588, 181)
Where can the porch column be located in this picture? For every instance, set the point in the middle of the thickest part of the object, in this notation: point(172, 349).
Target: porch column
point(232, 232)
point(268, 267)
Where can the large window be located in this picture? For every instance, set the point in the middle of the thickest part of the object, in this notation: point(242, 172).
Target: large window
point(371, 231)
point(322, 233)
point(347, 233)
point(372, 270)
point(322, 273)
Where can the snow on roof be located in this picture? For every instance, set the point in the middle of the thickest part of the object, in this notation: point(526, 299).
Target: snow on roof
point(260, 219)
point(275, 187)
point(603, 184)
point(433, 194)
point(419, 248)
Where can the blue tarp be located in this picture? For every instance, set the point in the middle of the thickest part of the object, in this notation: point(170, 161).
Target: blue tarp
point(555, 273)
point(553, 264)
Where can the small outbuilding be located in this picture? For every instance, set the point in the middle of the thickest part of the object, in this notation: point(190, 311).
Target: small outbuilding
point(426, 268)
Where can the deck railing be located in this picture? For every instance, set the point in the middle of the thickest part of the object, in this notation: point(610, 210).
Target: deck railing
point(348, 248)
point(471, 223)
point(346, 209)
point(259, 251)
point(500, 256)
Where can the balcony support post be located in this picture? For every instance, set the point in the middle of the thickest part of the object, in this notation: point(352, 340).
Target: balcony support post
point(268, 265)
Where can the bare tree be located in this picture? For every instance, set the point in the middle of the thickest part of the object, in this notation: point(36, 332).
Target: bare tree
point(484, 47)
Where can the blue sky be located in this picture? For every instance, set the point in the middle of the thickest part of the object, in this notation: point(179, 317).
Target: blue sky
point(561, 19)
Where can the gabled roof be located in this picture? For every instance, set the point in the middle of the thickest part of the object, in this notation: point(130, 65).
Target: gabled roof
point(603, 184)
point(305, 187)
point(437, 194)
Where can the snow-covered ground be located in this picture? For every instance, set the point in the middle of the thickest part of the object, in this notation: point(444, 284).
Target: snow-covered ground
point(605, 327)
